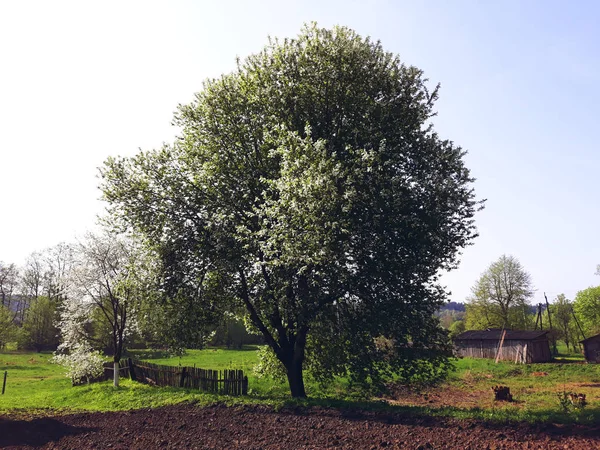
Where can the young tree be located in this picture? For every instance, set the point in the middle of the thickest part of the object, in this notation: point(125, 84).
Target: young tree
point(310, 187)
point(587, 309)
point(108, 274)
point(75, 353)
point(562, 310)
point(500, 298)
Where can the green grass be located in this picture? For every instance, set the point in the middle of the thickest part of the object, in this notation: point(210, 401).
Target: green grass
point(210, 358)
point(534, 388)
point(245, 359)
point(36, 386)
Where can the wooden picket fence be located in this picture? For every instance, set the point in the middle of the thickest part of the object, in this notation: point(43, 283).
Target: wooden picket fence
point(228, 382)
point(109, 368)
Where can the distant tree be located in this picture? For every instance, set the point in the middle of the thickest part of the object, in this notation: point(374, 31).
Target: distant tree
point(587, 308)
point(456, 328)
point(8, 330)
point(58, 261)
point(310, 185)
point(449, 316)
point(32, 276)
point(454, 306)
point(9, 281)
point(500, 297)
point(31, 282)
point(39, 331)
point(562, 312)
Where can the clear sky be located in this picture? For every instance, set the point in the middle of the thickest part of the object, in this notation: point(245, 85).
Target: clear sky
point(80, 81)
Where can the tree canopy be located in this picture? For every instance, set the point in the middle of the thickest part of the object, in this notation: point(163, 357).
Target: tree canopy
point(500, 297)
point(587, 307)
point(309, 189)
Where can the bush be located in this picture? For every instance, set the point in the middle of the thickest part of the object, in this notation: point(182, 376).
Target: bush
point(82, 364)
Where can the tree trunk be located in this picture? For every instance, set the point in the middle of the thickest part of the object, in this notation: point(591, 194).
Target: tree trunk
point(116, 374)
point(295, 378)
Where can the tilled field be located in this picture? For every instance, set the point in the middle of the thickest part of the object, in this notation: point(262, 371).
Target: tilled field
point(186, 426)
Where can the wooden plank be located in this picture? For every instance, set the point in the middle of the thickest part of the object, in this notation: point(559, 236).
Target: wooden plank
point(500, 347)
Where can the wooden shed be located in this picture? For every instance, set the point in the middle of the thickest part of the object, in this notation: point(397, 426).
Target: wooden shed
point(591, 349)
point(509, 345)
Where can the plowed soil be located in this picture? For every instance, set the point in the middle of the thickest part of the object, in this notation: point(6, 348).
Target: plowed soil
point(220, 427)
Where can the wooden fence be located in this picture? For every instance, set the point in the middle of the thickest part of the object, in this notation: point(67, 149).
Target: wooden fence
point(109, 369)
point(229, 382)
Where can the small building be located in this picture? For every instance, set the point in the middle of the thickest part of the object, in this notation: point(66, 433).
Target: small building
point(591, 349)
point(519, 346)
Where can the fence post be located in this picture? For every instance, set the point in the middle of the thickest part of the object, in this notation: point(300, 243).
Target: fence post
point(245, 386)
point(131, 370)
point(182, 379)
point(4, 383)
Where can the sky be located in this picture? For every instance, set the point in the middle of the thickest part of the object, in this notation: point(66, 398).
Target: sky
point(82, 81)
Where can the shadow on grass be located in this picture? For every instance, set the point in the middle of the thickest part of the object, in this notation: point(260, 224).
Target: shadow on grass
point(36, 432)
point(567, 360)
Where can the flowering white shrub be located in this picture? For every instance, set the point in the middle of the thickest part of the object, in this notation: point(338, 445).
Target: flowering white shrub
point(82, 363)
point(74, 317)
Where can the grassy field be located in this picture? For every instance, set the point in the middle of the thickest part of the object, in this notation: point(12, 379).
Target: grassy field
point(535, 389)
point(35, 386)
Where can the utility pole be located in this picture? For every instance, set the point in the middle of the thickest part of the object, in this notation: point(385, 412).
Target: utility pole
point(578, 324)
point(550, 321)
point(538, 318)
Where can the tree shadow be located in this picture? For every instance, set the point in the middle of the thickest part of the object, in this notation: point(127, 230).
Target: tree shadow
point(567, 360)
point(548, 422)
point(36, 432)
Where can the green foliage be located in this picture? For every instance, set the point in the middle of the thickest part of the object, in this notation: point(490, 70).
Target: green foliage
point(232, 333)
point(175, 323)
point(500, 297)
point(8, 330)
point(564, 323)
point(268, 366)
point(456, 328)
point(39, 331)
point(587, 309)
point(448, 317)
point(82, 364)
point(563, 401)
point(99, 329)
point(309, 189)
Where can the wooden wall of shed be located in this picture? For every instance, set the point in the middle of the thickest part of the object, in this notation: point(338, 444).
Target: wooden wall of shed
point(540, 351)
point(519, 351)
point(591, 350)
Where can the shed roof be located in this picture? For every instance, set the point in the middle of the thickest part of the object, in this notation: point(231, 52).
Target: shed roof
point(590, 338)
point(496, 335)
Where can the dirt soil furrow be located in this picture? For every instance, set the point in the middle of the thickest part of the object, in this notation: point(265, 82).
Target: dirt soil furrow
point(187, 426)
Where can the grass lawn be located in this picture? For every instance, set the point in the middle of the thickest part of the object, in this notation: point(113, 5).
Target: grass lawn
point(535, 388)
point(245, 359)
point(35, 386)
